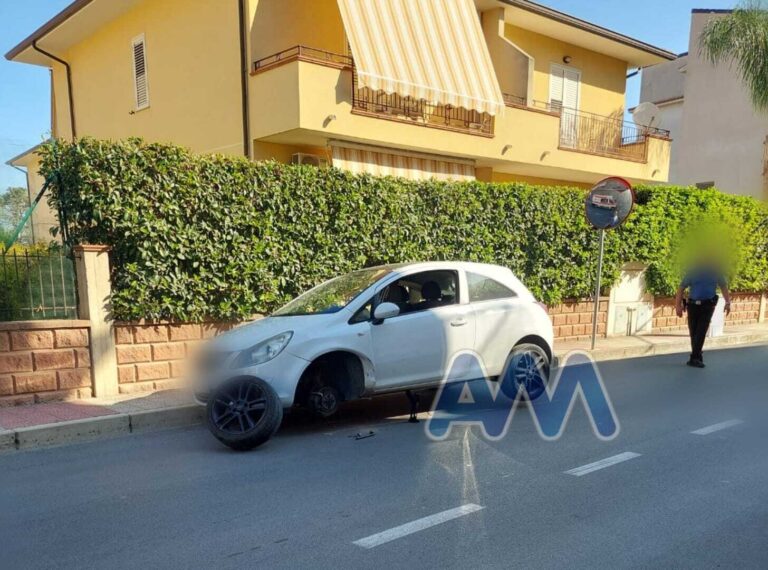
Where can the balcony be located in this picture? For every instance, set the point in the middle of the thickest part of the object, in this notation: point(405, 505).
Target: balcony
point(302, 98)
point(595, 134)
point(391, 107)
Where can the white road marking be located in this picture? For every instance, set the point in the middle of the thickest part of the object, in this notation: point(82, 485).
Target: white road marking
point(602, 464)
point(415, 526)
point(717, 427)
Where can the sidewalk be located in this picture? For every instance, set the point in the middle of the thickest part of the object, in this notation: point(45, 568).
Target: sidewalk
point(42, 425)
point(615, 348)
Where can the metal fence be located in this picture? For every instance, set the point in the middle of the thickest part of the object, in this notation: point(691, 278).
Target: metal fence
point(394, 107)
point(589, 133)
point(37, 285)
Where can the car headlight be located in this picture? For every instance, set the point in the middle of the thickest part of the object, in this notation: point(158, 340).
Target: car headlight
point(262, 352)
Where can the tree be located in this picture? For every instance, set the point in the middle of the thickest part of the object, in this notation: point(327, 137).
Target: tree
point(740, 39)
point(13, 203)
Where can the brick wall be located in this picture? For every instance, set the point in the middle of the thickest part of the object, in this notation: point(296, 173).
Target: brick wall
point(152, 356)
point(42, 361)
point(572, 319)
point(745, 310)
point(664, 317)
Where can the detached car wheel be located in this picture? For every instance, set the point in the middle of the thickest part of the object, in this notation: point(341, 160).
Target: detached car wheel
point(528, 366)
point(244, 413)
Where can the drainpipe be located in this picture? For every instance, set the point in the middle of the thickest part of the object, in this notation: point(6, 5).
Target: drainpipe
point(69, 85)
point(244, 69)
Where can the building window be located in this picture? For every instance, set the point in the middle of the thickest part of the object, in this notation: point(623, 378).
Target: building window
point(705, 185)
point(140, 80)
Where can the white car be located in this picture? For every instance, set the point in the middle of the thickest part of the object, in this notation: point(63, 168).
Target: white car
point(379, 330)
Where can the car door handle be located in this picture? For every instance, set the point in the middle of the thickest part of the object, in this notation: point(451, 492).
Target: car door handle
point(458, 322)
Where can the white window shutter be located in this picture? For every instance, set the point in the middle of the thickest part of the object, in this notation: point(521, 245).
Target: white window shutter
point(556, 87)
point(571, 89)
point(140, 79)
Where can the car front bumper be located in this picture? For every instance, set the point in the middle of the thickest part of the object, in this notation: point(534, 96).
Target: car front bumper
point(282, 373)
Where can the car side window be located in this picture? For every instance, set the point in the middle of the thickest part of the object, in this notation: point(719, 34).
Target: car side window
point(423, 291)
point(363, 314)
point(482, 288)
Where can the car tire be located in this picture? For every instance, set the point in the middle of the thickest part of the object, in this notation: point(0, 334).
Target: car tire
point(243, 413)
point(528, 364)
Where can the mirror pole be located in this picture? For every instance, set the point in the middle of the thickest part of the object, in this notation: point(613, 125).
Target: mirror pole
point(597, 288)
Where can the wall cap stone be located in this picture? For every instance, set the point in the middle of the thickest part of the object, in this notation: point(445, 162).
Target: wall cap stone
point(91, 248)
point(40, 325)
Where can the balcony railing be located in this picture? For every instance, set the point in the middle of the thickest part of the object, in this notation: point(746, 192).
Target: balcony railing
point(302, 53)
point(595, 134)
point(419, 112)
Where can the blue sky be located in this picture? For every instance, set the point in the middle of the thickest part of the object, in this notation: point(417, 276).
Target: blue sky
point(25, 96)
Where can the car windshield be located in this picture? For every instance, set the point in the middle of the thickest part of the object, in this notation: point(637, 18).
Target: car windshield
point(334, 295)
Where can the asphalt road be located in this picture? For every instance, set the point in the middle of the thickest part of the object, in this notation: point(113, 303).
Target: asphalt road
point(315, 497)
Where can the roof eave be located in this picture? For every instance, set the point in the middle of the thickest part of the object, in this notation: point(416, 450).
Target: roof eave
point(590, 27)
point(47, 28)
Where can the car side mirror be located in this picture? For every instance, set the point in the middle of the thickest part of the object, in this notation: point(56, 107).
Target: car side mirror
point(385, 311)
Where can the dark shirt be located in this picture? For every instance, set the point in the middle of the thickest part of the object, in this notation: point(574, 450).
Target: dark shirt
point(703, 283)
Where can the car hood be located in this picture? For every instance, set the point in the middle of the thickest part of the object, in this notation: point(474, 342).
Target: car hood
point(246, 336)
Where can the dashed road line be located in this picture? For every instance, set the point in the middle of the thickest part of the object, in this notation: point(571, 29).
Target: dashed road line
point(602, 464)
point(415, 526)
point(717, 427)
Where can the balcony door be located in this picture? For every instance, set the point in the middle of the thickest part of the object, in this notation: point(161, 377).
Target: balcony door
point(564, 93)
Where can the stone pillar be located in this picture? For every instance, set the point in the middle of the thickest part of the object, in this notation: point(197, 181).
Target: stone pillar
point(763, 307)
point(93, 293)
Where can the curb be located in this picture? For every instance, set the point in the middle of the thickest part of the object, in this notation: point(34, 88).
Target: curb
point(167, 418)
point(102, 427)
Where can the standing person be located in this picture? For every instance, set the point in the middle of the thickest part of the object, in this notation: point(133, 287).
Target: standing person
point(703, 281)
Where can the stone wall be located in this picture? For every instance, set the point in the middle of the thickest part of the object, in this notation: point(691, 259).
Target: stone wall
point(42, 361)
point(664, 318)
point(572, 319)
point(745, 310)
point(152, 356)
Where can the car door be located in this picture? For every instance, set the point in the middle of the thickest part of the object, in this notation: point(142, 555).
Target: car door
point(416, 347)
point(498, 311)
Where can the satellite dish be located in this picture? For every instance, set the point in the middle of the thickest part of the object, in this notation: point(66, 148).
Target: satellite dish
point(647, 116)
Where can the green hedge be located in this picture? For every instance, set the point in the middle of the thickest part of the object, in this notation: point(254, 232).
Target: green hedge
point(199, 237)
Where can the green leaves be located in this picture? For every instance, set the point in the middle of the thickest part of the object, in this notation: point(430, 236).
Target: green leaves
point(199, 237)
point(741, 38)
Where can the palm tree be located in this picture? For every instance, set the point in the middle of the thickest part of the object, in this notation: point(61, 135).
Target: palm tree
point(740, 39)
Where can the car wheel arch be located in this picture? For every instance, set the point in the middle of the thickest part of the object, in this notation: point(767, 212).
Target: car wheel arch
point(355, 374)
point(538, 341)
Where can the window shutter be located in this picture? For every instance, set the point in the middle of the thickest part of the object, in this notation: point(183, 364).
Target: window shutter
point(571, 89)
point(140, 73)
point(556, 87)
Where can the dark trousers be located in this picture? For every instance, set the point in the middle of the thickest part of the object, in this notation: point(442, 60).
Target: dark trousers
point(699, 318)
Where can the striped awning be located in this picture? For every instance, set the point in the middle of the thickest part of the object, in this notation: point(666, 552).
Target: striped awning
point(414, 166)
point(426, 49)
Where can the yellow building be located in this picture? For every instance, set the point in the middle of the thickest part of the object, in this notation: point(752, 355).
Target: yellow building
point(488, 89)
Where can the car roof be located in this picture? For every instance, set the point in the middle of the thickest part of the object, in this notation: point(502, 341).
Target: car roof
point(465, 265)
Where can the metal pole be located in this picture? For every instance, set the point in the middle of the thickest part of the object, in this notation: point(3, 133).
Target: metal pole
point(597, 288)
